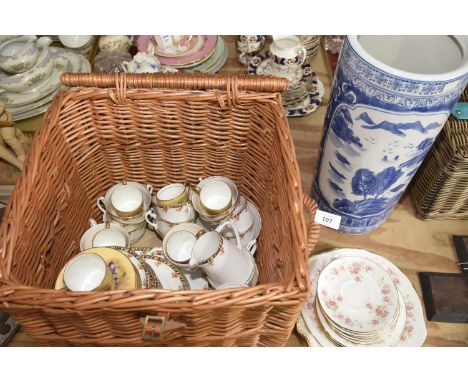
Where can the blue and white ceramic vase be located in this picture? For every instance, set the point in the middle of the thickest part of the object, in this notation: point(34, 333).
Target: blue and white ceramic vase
point(391, 97)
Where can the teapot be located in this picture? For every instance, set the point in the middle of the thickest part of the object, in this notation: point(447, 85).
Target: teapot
point(37, 74)
point(21, 54)
point(143, 63)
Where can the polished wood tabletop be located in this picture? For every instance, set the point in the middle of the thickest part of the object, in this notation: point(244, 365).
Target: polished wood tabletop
point(414, 245)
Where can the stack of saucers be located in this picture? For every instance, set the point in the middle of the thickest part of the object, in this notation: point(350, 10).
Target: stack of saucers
point(311, 43)
point(197, 53)
point(305, 91)
point(360, 299)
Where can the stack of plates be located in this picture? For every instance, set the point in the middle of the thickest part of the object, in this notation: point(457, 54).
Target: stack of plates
point(311, 43)
point(206, 54)
point(305, 90)
point(360, 299)
point(37, 100)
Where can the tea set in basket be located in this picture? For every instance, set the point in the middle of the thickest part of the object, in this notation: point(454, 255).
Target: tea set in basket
point(209, 234)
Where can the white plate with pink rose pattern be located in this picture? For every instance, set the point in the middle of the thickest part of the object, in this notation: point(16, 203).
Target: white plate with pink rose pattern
point(414, 332)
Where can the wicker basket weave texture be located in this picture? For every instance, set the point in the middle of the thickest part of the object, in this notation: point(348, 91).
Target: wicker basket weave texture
point(109, 128)
point(440, 187)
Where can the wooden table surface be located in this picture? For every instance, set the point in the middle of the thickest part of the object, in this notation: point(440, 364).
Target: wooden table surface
point(412, 244)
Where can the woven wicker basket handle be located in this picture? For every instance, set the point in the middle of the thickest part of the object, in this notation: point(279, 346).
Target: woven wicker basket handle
point(185, 81)
point(313, 228)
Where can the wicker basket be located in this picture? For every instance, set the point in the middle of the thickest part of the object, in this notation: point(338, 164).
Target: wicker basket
point(112, 127)
point(440, 187)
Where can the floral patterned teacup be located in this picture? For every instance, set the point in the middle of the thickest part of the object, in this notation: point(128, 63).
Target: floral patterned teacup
point(173, 203)
point(249, 43)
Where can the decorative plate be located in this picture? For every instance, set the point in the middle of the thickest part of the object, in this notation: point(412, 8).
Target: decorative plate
point(195, 44)
point(195, 58)
point(387, 338)
point(357, 294)
point(414, 332)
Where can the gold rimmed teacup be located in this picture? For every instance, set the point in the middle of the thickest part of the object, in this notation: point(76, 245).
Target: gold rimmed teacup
point(215, 196)
point(172, 195)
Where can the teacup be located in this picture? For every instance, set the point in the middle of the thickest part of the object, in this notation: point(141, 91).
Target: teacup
point(135, 225)
point(160, 225)
point(173, 203)
point(249, 43)
point(127, 200)
point(114, 42)
point(231, 286)
point(87, 272)
point(106, 234)
point(287, 51)
point(75, 41)
point(215, 196)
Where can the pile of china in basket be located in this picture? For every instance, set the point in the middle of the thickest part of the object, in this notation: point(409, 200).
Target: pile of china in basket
point(359, 298)
point(209, 237)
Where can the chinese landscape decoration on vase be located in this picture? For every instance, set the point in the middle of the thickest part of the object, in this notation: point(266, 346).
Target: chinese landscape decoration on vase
point(378, 130)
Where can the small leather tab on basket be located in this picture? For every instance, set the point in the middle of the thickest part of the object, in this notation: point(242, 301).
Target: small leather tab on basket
point(155, 327)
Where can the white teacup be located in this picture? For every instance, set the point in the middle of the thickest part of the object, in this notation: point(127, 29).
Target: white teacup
point(173, 204)
point(161, 226)
point(127, 200)
point(114, 42)
point(75, 41)
point(109, 237)
point(287, 51)
point(113, 235)
point(87, 272)
point(215, 196)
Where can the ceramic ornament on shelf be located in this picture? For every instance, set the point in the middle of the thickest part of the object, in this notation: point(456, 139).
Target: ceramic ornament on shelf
point(390, 98)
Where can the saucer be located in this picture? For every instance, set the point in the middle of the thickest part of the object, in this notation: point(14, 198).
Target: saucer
point(127, 276)
point(310, 103)
point(192, 59)
point(215, 62)
point(171, 277)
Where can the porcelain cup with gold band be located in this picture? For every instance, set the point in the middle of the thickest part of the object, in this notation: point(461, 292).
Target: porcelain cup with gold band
point(125, 198)
point(127, 201)
point(173, 204)
point(87, 272)
point(211, 200)
point(162, 226)
point(123, 274)
point(106, 234)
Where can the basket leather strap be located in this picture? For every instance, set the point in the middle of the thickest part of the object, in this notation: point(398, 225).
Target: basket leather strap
point(157, 326)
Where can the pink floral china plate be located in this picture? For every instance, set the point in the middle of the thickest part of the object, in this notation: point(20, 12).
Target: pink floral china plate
point(357, 294)
point(193, 46)
point(414, 331)
point(186, 60)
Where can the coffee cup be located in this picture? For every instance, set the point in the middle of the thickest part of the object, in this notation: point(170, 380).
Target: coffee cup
point(249, 43)
point(173, 204)
point(75, 41)
point(215, 196)
point(287, 51)
point(127, 201)
point(87, 272)
point(160, 225)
